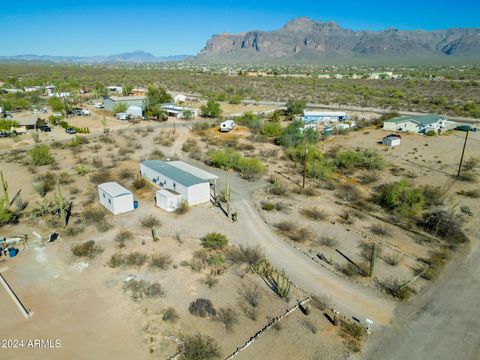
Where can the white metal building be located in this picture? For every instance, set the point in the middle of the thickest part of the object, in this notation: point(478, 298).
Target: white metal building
point(191, 183)
point(134, 111)
point(391, 141)
point(168, 200)
point(323, 116)
point(115, 198)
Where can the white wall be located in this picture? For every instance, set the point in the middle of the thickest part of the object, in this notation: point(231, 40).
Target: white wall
point(405, 126)
point(117, 205)
point(199, 193)
point(195, 194)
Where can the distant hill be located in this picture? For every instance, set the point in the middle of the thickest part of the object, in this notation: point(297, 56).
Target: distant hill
point(127, 57)
point(304, 40)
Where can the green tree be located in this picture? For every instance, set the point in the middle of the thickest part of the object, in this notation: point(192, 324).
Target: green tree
point(187, 114)
point(6, 125)
point(402, 198)
point(211, 109)
point(158, 113)
point(120, 108)
point(56, 104)
point(295, 134)
point(295, 107)
point(156, 96)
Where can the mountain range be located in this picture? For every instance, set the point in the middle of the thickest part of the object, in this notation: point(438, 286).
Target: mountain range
point(304, 40)
point(127, 57)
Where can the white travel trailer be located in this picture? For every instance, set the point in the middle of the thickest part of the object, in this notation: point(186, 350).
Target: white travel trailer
point(115, 198)
point(227, 125)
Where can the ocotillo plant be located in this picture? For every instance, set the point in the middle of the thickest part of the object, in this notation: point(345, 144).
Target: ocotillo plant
point(4, 184)
point(61, 203)
point(373, 259)
point(227, 194)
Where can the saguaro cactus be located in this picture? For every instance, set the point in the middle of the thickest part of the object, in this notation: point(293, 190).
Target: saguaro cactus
point(373, 259)
point(4, 185)
point(61, 203)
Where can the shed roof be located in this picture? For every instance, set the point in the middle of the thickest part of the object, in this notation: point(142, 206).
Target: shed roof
point(202, 174)
point(126, 98)
point(324, 113)
point(172, 172)
point(418, 119)
point(114, 189)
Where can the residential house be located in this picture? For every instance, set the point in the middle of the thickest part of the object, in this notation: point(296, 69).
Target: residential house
point(110, 102)
point(418, 123)
point(316, 117)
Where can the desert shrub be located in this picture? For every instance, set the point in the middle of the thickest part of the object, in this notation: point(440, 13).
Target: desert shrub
point(251, 294)
point(350, 270)
point(202, 307)
point(160, 261)
point(354, 332)
point(214, 241)
point(268, 206)
point(401, 197)
point(245, 254)
point(314, 213)
point(141, 288)
point(211, 281)
point(446, 225)
point(122, 236)
point(293, 135)
point(126, 174)
point(40, 155)
point(327, 241)
point(87, 249)
point(198, 347)
point(294, 232)
point(321, 302)
point(20, 204)
point(310, 326)
point(228, 317)
point(157, 154)
point(150, 221)
point(379, 229)
point(170, 314)
point(395, 288)
point(134, 259)
point(139, 183)
point(183, 208)
point(248, 168)
point(277, 188)
point(392, 259)
point(82, 169)
point(42, 187)
point(350, 160)
point(474, 193)
point(99, 177)
point(271, 129)
point(368, 177)
point(93, 216)
point(216, 260)
point(433, 195)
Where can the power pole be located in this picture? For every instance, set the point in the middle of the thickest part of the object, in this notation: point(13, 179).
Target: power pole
point(305, 166)
point(463, 152)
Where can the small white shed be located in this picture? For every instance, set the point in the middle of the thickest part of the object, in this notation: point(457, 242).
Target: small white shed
point(168, 200)
point(179, 98)
point(134, 111)
point(115, 198)
point(391, 141)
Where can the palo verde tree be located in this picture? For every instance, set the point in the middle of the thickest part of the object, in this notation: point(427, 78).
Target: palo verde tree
point(211, 109)
point(155, 97)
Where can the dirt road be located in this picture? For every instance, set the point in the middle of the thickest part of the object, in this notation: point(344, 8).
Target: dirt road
point(442, 323)
point(348, 297)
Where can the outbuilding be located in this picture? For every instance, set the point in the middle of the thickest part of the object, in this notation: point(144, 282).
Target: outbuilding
point(192, 188)
point(135, 111)
point(168, 200)
point(115, 198)
point(110, 102)
point(391, 140)
point(323, 116)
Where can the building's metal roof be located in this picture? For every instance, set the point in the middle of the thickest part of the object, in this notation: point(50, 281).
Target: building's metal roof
point(324, 113)
point(181, 176)
point(114, 189)
point(126, 98)
point(418, 119)
point(202, 174)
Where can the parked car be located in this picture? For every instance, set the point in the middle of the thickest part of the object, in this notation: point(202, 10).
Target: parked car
point(77, 111)
point(70, 131)
point(466, 128)
point(45, 128)
point(85, 112)
point(4, 134)
point(99, 105)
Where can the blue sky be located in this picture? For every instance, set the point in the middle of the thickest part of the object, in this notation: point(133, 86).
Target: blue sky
point(107, 27)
